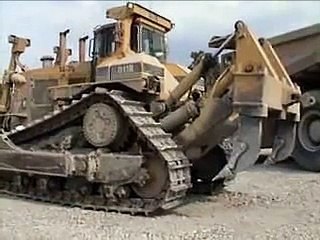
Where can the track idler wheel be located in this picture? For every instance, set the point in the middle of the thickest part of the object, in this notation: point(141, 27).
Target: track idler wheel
point(156, 181)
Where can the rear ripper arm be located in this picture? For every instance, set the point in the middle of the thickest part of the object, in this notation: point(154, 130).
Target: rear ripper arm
point(260, 96)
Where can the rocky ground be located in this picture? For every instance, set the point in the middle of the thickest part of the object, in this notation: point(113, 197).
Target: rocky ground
point(274, 202)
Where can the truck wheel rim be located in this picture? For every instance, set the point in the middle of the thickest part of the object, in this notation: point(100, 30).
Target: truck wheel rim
point(309, 131)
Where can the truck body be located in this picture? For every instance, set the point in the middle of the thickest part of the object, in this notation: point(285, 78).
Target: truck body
point(299, 51)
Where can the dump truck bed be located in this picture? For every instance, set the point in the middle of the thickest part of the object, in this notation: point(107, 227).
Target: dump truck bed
point(299, 51)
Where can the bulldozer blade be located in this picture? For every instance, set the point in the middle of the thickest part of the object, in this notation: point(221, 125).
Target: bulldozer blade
point(284, 141)
point(246, 147)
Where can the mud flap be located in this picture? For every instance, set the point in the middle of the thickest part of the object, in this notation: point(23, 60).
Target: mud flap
point(284, 141)
point(246, 147)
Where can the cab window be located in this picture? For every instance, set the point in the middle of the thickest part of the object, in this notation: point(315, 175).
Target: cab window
point(153, 43)
point(105, 42)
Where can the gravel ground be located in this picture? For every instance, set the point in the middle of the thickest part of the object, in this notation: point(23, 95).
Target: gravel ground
point(274, 202)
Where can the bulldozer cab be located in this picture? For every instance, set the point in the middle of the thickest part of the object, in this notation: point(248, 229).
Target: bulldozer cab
point(133, 51)
point(143, 39)
point(137, 29)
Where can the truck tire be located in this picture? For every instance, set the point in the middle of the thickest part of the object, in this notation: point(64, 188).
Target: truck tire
point(307, 149)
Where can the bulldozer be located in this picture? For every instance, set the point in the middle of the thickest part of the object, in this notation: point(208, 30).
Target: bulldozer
point(129, 132)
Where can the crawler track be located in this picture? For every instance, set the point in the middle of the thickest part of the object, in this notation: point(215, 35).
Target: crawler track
point(149, 134)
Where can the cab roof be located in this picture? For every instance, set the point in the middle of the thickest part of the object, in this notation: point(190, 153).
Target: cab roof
point(130, 9)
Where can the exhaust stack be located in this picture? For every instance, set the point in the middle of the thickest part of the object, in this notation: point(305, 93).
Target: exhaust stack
point(47, 61)
point(82, 48)
point(61, 51)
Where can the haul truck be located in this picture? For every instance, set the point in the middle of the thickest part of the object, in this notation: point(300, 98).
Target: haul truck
point(299, 52)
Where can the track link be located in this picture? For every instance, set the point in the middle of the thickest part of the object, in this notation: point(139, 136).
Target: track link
point(149, 133)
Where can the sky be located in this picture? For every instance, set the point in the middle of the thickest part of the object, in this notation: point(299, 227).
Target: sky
point(195, 22)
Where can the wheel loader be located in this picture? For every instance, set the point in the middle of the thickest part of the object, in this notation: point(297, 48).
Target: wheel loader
point(122, 133)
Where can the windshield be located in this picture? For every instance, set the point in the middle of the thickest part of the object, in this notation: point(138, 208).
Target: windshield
point(104, 42)
point(153, 43)
point(143, 38)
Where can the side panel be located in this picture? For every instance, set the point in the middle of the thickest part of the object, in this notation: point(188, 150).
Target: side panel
point(41, 102)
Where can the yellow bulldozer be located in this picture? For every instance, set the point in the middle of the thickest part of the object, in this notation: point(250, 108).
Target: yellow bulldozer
point(129, 132)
